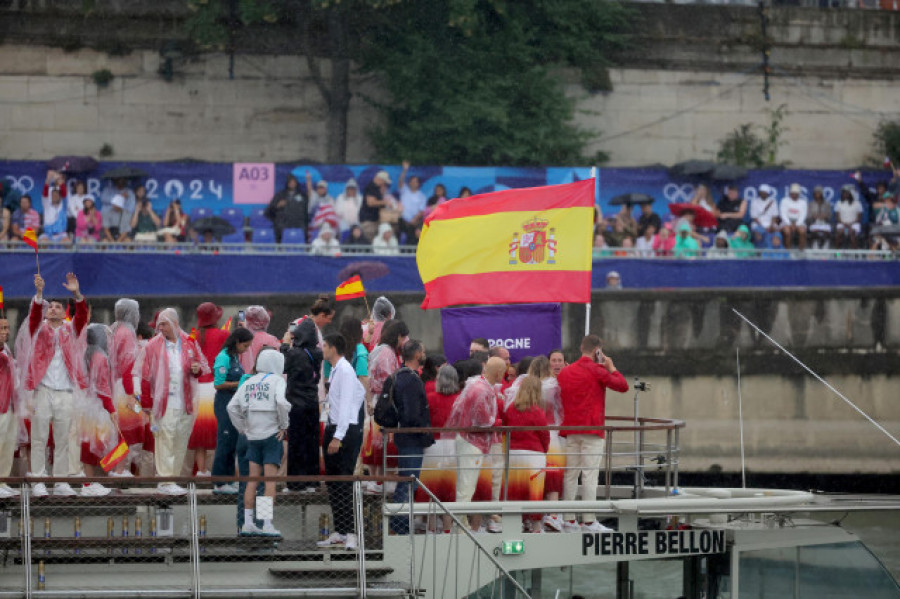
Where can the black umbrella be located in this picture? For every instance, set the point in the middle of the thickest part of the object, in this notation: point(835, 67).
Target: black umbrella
point(219, 226)
point(728, 172)
point(72, 164)
point(631, 198)
point(124, 172)
point(693, 167)
point(368, 270)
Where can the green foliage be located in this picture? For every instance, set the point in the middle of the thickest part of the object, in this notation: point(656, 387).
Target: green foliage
point(106, 151)
point(102, 77)
point(211, 20)
point(477, 86)
point(887, 141)
point(745, 147)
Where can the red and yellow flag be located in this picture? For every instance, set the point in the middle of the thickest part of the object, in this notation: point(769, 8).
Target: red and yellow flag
point(115, 456)
point(511, 246)
point(227, 326)
point(30, 238)
point(350, 289)
point(1, 297)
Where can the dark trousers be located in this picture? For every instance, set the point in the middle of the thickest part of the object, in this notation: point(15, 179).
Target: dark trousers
point(303, 444)
point(409, 463)
point(342, 463)
point(226, 439)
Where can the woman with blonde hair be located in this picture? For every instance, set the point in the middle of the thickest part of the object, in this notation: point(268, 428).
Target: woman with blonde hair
point(527, 449)
point(556, 455)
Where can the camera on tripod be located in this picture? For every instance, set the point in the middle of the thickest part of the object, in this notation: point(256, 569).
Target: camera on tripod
point(640, 385)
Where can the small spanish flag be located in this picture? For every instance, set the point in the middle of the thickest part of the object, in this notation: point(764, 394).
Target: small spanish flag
point(227, 326)
point(30, 238)
point(1, 297)
point(194, 335)
point(115, 456)
point(350, 289)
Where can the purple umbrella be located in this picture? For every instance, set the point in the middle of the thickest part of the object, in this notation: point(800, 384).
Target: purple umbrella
point(72, 164)
point(368, 270)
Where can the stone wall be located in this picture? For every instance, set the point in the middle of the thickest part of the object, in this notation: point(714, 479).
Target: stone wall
point(691, 76)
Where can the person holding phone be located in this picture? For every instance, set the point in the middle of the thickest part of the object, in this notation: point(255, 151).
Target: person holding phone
point(583, 386)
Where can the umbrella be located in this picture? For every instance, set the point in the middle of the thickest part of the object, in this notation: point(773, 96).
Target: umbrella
point(728, 172)
point(703, 218)
point(367, 270)
point(219, 226)
point(693, 167)
point(72, 164)
point(631, 198)
point(124, 172)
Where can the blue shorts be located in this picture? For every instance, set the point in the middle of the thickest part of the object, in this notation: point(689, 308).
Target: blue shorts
point(265, 451)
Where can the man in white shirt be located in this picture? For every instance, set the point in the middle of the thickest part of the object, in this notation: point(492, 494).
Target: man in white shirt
point(848, 215)
point(764, 215)
point(55, 374)
point(342, 439)
point(413, 201)
point(793, 217)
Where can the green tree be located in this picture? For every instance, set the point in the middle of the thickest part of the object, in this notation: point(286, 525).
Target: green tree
point(745, 147)
point(887, 142)
point(477, 81)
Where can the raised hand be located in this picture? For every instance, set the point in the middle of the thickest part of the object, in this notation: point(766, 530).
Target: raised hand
point(72, 285)
point(405, 164)
point(39, 285)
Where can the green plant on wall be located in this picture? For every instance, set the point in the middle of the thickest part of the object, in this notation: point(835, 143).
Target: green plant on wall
point(887, 142)
point(102, 77)
point(753, 145)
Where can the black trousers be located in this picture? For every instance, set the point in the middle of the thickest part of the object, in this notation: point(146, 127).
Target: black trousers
point(340, 494)
point(303, 443)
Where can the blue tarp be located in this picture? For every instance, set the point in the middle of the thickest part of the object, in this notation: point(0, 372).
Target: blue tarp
point(135, 274)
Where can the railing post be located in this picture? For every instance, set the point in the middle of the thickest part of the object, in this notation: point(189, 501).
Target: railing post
point(360, 536)
point(608, 458)
point(195, 540)
point(677, 452)
point(668, 460)
point(639, 491)
point(505, 466)
point(26, 538)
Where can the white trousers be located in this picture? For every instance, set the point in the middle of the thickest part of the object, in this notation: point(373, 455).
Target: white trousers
point(173, 431)
point(469, 459)
point(496, 470)
point(9, 433)
point(51, 406)
point(584, 455)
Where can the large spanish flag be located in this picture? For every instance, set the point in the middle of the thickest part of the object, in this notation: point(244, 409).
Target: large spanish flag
point(512, 246)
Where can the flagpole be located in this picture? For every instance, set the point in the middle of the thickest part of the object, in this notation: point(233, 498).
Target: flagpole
point(587, 306)
point(368, 312)
point(37, 259)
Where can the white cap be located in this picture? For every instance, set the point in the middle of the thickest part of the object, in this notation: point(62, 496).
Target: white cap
point(767, 189)
point(384, 176)
point(795, 188)
point(118, 201)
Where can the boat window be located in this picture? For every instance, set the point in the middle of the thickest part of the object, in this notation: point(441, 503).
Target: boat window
point(832, 571)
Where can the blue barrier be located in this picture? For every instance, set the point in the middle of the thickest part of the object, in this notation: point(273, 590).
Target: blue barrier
point(134, 274)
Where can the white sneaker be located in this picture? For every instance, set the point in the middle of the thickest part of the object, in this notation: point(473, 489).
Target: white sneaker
point(95, 490)
point(594, 527)
point(268, 530)
point(204, 473)
point(39, 490)
point(226, 489)
point(64, 490)
point(552, 522)
point(336, 538)
point(494, 526)
point(571, 526)
point(310, 489)
point(373, 488)
point(352, 543)
point(7, 491)
point(170, 489)
point(250, 529)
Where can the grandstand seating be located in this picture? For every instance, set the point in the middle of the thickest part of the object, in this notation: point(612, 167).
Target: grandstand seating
point(233, 216)
point(258, 219)
point(237, 237)
point(293, 236)
point(263, 235)
point(201, 212)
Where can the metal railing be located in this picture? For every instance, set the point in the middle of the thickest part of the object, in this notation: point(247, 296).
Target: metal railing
point(138, 542)
point(652, 440)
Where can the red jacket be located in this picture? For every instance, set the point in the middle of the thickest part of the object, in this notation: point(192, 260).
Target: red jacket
point(213, 341)
point(44, 340)
point(583, 386)
point(439, 406)
point(530, 440)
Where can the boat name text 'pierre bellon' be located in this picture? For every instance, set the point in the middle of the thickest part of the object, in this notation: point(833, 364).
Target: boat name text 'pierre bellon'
point(653, 542)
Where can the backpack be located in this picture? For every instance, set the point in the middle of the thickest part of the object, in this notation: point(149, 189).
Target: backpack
point(386, 413)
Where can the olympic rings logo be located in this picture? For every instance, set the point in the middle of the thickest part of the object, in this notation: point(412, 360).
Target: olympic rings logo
point(678, 194)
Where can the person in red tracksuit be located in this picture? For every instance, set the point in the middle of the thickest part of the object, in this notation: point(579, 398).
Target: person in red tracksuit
point(583, 386)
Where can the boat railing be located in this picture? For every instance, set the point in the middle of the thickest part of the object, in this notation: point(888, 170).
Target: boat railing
point(139, 542)
point(633, 451)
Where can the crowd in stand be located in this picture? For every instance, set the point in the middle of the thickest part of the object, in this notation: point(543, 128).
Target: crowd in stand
point(265, 405)
point(741, 227)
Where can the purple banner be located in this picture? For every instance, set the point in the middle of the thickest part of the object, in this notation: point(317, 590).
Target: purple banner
point(525, 330)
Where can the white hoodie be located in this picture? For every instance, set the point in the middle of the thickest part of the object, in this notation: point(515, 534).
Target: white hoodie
point(259, 408)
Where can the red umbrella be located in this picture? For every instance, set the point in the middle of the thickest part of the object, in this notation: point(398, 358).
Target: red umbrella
point(703, 218)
